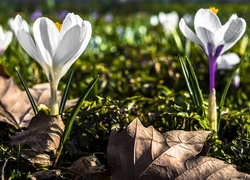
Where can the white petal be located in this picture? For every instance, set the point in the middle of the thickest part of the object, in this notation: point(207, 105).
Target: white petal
point(188, 33)
point(68, 46)
point(227, 61)
point(71, 46)
point(205, 37)
point(2, 34)
point(234, 32)
point(234, 16)
point(70, 20)
point(205, 18)
point(7, 40)
point(25, 38)
point(46, 36)
point(169, 20)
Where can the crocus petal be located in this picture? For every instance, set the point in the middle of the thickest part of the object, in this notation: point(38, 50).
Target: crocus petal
point(25, 38)
point(70, 20)
point(5, 39)
point(205, 36)
point(1, 32)
point(235, 31)
point(234, 16)
point(68, 47)
point(227, 61)
point(71, 46)
point(169, 20)
point(188, 33)
point(46, 36)
point(205, 18)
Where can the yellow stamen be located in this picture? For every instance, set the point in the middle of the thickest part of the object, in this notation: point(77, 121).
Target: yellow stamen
point(215, 11)
point(58, 25)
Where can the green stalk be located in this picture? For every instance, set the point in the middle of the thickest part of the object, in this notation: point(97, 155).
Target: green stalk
point(223, 97)
point(54, 108)
point(73, 116)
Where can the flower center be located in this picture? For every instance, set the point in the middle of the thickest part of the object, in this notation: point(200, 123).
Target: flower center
point(215, 11)
point(58, 25)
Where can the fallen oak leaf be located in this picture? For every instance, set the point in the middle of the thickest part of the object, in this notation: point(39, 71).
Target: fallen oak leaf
point(12, 103)
point(43, 134)
point(144, 153)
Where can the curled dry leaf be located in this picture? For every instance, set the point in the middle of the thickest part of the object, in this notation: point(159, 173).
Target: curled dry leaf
point(48, 174)
point(37, 159)
point(87, 167)
point(43, 134)
point(144, 153)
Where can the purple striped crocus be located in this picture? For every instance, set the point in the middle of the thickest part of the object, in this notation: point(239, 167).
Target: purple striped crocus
point(213, 37)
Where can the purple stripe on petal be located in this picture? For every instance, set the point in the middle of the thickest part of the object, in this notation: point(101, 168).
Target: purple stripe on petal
point(212, 66)
point(210, 50)
point(218, 51)
point(212, 57)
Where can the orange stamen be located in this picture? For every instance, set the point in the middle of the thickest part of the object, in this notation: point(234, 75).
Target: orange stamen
point(58, 25)
point(215, 11)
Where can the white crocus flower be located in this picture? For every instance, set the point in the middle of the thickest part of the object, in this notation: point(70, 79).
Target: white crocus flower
point(5, 39)
point(169, 21)
point(54, 46)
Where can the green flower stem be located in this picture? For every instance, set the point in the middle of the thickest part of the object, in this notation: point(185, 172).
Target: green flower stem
point(54, 107)
point(212, 113)
point(72, 118)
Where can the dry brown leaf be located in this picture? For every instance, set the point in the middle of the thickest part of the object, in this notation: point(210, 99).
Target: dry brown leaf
point(37, 159)
point(15, 107)
point(144, 153)
point(43, 134)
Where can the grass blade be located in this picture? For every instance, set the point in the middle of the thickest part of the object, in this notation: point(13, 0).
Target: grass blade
point(193, 86)
point(65, 93)
point(32, 102)
point(73, 116)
